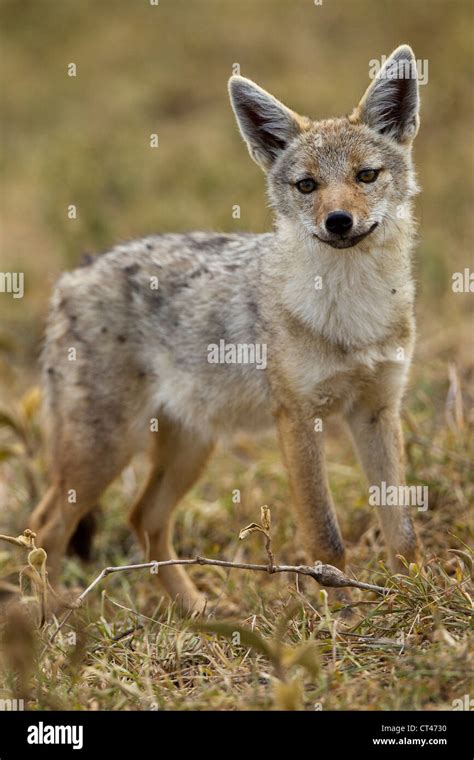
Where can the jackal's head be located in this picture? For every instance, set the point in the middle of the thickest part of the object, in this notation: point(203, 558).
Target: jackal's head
point(338, 181)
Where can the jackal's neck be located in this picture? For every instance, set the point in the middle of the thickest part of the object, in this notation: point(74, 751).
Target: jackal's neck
point(352, 296)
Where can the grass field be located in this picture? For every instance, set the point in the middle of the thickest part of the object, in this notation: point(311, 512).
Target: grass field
point(85, 140)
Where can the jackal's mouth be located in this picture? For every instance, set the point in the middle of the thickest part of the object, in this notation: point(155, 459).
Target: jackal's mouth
point(341, 241)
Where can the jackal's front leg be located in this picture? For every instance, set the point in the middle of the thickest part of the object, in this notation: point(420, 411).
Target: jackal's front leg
point(378, 436)
point(303, 451)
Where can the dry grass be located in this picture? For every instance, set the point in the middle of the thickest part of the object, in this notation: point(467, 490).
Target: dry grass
point(85, 141)
point(131, 650)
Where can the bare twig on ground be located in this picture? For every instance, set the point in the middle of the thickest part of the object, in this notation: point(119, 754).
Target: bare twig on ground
point(325, 575)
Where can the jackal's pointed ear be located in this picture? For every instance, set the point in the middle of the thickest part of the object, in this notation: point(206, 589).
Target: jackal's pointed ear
point(391, 103)
point(266, 125)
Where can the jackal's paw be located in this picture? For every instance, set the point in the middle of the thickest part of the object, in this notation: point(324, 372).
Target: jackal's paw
point(222, 608)
point(340, 601)
point(206, 607)
point(191, 604)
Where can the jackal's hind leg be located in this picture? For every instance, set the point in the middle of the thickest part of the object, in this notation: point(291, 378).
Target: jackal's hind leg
point(178, 456)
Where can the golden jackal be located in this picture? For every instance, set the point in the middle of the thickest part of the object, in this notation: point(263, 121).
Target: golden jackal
point(210, 333)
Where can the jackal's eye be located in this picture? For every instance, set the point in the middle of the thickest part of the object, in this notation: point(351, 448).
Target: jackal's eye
point(368, 175)
point(306, 185)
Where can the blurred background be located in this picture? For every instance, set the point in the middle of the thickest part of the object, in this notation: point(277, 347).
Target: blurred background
point(144, 69)
point(85, 140)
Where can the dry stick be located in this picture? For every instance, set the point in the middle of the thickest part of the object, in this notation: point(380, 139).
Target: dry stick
point(325, 575)
point(268, 549)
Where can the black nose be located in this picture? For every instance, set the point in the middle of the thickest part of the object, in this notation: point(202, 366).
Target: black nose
point(338, 222)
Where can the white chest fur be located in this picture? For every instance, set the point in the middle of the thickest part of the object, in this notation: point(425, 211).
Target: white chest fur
point(351, 297)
